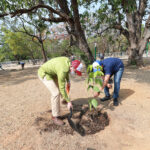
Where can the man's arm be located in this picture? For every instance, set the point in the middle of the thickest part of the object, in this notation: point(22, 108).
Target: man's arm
point(62, 83)
point(106, 80)
point(68, 83)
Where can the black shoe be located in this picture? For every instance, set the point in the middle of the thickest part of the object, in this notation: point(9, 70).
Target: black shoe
point(106, 98)
point(116, 103)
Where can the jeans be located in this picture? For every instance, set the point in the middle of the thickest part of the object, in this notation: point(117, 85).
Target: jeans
point(117, 80)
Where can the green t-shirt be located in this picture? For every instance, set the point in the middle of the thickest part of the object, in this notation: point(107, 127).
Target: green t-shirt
point(57, 68)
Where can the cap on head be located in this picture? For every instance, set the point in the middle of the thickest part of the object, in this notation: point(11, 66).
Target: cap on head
point(101, 56)
point(95, 64)
point(77, 65)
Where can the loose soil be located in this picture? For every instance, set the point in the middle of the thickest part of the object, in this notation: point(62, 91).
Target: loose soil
point(25, 114)
point(86, 122)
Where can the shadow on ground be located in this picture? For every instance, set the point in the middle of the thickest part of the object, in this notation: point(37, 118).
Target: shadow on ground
point(139, 75)
point(124, 93)
point(17, 76)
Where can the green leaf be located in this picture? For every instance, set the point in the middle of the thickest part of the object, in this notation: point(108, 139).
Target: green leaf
point(90, 86)
point(95, 74)
point(96, 89)
point(98, 73)
point(94, 103)
point(89, 80)
point(91, 74)
point(90, 68)
point(99, 81)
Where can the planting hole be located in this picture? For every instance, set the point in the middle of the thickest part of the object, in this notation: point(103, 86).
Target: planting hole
point(86, 122)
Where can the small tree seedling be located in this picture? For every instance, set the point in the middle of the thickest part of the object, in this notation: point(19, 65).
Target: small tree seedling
point(94, 81)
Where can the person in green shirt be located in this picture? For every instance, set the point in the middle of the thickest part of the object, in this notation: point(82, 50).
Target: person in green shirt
point(55, 74)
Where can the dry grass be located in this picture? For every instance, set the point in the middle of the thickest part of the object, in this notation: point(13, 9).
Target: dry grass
point(23, 98)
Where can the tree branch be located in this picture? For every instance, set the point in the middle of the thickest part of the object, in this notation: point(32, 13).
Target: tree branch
point(142, 7)
point(24, 20)
point(64, 6)
point(122, 30)
point(103, 31)
point(54, 19)
point(147, 24)
point(3, 15)
point(25, 31)
point(74, 5)
point(23, 11)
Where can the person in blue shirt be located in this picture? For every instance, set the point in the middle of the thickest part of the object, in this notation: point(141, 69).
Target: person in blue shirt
point(111, 66)
point(1, 67)
point(22, 64)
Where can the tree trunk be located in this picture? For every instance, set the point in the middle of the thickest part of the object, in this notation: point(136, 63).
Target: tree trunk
point(32, 56)
point(43, 52)
point(78, 33)
point(78, 38)
point(135, 57)
point(83, 45)
point(137, 41)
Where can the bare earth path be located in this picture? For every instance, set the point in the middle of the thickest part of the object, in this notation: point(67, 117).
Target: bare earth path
point(23, 98)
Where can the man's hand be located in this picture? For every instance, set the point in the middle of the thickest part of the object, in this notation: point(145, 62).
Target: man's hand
point(96, 94)
point(109, 86)
point(69, 105)
point(68, 87)
point(106, 79)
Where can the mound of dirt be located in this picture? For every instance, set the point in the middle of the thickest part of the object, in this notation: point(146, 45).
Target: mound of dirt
point(84, 122)
point(94, 121)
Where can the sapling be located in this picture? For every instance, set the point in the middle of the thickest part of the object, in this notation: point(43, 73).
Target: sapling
point(94, 82)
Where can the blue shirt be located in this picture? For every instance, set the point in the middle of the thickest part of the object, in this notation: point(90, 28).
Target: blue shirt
point(110, 65)
point(22, 63)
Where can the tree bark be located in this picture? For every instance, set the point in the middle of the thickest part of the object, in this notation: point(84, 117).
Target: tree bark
point(137, 43)
point(43, 52)
point(80, 35)
point(75, 27)
point(32, 56)
point(133, 33)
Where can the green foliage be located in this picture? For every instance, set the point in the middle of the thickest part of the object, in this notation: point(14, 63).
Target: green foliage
point(85, 59)
point(90, 86)
point(6, 53)
point(93, 103)
point(94, 82)
point(90, 68)
point(98, 81)
point(96, 89)
point(19, 45)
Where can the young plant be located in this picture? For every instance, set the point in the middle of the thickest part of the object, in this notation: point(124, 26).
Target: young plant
point(94, 81)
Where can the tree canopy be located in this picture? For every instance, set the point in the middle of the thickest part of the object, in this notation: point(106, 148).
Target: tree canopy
point(127, 16)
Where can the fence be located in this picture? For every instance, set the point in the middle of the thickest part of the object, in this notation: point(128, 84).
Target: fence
point(38, 62)
point(14, 64)
point(121, 55)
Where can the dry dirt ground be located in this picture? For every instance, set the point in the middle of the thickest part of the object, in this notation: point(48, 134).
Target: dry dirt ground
point(23, 99)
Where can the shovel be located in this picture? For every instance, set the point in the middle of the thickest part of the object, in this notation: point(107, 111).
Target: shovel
point(77, 127)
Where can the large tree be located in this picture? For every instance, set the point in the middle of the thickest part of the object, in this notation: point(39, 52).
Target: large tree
point(20, 44)
point(128, 16)
point(53, 11)
point(39, 35)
